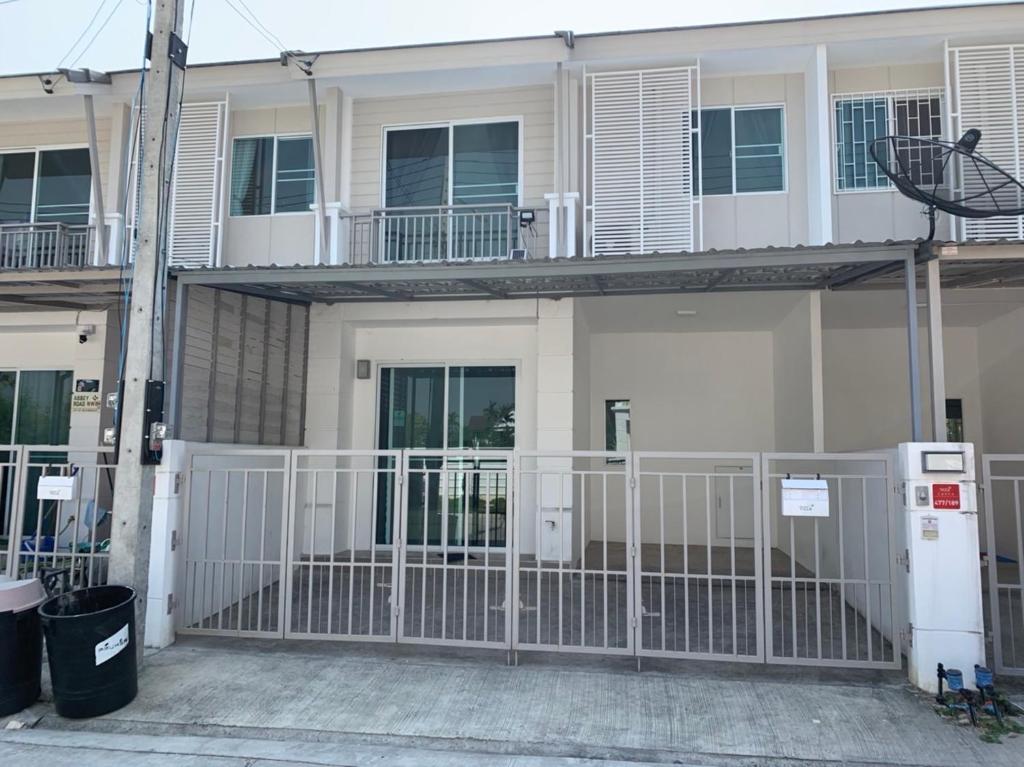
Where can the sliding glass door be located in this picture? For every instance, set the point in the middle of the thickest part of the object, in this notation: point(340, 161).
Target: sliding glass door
point(453, 408)
point(468, 174)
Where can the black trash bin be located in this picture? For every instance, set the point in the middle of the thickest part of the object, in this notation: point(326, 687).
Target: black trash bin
point(90, 644)
point(21, 644)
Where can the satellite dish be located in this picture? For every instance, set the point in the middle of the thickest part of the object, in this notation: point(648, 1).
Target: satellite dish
point(922, 169)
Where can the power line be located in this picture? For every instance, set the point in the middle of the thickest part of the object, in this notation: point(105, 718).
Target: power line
point(255, 23)
point(97, 34)
point(83, 34)
point(264, 26)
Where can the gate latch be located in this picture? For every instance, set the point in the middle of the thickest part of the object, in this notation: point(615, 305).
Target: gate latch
point(904, 559)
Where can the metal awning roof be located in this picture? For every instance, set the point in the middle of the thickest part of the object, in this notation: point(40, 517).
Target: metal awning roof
point(860, 265)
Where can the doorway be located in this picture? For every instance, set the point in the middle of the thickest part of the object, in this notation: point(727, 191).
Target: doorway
point(447, 407)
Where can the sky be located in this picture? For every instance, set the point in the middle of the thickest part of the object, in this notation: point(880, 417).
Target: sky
point(40, 35)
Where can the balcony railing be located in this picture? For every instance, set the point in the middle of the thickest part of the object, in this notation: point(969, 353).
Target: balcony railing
point(46, 246)
point(443, 233)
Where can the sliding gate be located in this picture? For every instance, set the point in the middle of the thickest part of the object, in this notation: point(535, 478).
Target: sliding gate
point(685, 555)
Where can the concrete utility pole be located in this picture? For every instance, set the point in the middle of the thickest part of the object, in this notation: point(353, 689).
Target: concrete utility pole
point(134, 482)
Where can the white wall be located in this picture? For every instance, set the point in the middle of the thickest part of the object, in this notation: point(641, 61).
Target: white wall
point(1001, 356)
point(702, 391)
point(759, 220)
point(796, 366)
point(867, 389)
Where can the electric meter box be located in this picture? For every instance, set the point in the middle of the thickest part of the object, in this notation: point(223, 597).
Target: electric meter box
point(54, 488)
point(940, 533)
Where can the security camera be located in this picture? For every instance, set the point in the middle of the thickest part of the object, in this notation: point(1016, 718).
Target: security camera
point(84, 331)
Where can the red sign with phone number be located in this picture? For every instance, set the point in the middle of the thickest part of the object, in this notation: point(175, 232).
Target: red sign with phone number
point(946, 496)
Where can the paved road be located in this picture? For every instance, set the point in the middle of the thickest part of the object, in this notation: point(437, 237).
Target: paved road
point(56, 748)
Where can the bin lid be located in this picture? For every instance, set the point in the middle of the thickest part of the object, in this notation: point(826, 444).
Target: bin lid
point(16, 596)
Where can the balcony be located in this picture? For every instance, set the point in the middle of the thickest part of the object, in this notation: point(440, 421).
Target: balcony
point(453, 233)
point(46, 246)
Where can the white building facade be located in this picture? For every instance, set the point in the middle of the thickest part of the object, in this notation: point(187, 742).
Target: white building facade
point(574, 307)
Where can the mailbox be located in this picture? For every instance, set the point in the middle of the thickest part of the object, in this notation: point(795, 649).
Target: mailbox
point(57, 488)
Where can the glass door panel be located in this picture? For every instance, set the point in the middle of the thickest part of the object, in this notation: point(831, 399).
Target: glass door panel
point(415, 176)
point(411, 416)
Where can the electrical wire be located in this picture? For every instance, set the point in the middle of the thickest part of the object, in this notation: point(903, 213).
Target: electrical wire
point(265, 28)
point(257, 25)
point(81, 36)
point(97, 33)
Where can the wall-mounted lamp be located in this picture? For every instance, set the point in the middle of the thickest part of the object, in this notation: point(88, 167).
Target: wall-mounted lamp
point(363, 370)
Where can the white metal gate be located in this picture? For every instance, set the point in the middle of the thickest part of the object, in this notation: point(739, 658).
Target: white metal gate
point(830, 582)
point(574, 551)
point(698, 530)
point(234, 540)
point(647, 554)
point(454, 545)
point(1004, 526)
point(341, 565)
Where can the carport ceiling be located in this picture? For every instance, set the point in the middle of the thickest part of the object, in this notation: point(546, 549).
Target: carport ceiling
point(806, 268)
point(42, 289)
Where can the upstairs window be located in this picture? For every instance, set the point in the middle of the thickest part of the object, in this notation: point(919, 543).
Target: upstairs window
point(45, 186)
point(457, 164)
point(741, 151)
point(861, 118)
point(272, 174)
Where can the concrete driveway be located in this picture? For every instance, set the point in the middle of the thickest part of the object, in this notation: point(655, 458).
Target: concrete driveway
point(472, 706)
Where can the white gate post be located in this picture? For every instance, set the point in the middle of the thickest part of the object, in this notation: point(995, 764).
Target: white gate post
point(165, 549)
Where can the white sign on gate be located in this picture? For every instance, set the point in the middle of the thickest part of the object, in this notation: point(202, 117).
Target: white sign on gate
point(804, 498)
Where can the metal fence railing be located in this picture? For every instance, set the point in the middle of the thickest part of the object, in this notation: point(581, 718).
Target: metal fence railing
point(46, 246)
point(443, 233)
point(1004, 527)
point(647, 554)
point(69, 534)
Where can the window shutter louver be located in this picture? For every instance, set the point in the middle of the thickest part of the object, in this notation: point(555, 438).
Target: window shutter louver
point(196, 193)
point(988, 95)
point(640, 191)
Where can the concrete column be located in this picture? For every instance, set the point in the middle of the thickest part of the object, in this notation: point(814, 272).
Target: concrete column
point(120, 146)
point(797, 362)
point(555, 331)
point(818, 147)
point(936, 356)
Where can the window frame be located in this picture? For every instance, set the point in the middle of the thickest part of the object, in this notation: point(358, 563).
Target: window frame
point(890, 95)
point(450, 126)
point(695, 128)
point(516, 365)
point(36, 151)
point(273, 176)
point(17, 391)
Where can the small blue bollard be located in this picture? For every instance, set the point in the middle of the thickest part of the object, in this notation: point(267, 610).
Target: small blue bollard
point(983, 677)
point(955, 677)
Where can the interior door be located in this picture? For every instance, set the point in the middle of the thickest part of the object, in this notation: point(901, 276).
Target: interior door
point(736, 491)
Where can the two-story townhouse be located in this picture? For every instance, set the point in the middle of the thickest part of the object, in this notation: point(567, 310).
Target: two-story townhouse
point(635, 276)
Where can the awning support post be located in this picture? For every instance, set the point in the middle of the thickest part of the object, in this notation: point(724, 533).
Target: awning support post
point(913, 354)
point(318, 171)
point(936, 355)
point(97, 187)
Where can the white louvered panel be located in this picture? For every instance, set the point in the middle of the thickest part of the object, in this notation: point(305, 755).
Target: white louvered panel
point(616, 196)
point(134, 188)
point(989, 80)
point(195, 195)
point(640, 182)
point(667, 207)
